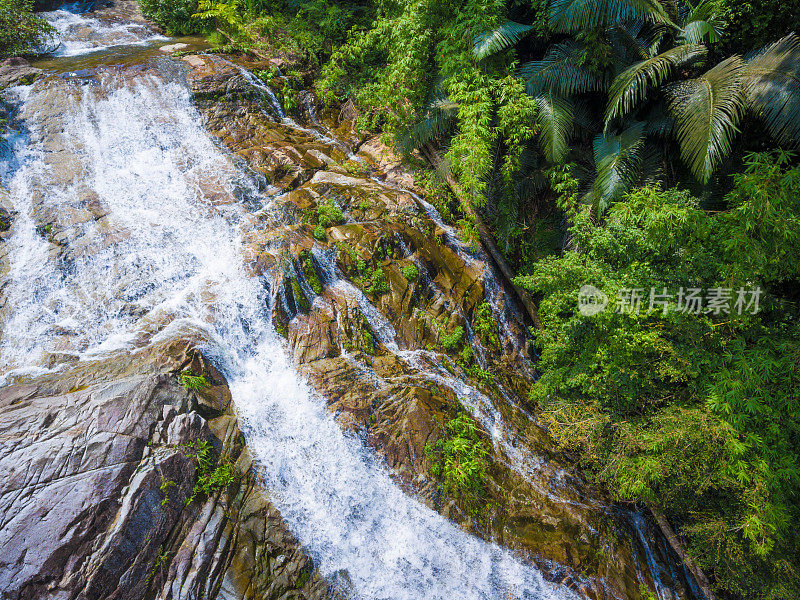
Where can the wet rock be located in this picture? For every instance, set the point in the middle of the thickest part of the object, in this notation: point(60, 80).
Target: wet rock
point(169, 49)
point(97, 466)
point(17, 71)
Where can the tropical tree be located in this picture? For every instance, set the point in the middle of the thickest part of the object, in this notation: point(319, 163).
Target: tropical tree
point(648, 63)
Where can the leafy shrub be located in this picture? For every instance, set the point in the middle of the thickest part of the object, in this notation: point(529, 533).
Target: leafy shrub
point(319, 233)
point(175, 16)
point(460, 460)
point(211, 476)
point(377, 283)
point(410, 272)
point(329, 214)
point(454, 339)
point(486, 326)
point(22, 32)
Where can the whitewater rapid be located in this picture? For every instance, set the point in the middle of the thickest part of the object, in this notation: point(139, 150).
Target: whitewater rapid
point(167, 260)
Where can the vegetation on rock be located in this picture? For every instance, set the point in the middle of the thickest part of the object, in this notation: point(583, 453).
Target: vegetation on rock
point(459, 459)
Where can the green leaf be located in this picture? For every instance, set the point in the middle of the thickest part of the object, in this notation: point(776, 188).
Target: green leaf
point(569, 16)
point(560, 72)
point(773, 88)
point(631, 86)
point(618, 162)
point(707, 110)
point(555, 121)
point(506, 35)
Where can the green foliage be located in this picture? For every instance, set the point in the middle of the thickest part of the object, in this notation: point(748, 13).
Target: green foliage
point(751, 24)
point(410, 272)
point(319, 233)
point(698, 413)
point(211, 476)
point(377, 283)
point(161, 561)
point(300, 299)
point(454, 339)
point(310, 272)
point(175, 16)
point(166, 484)
point(459, 459)
point(21, 31)
point(193, 382)
point(329, 214)
point(486, 327)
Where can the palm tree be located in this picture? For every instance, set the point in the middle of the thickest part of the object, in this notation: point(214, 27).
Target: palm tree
point(657, 87)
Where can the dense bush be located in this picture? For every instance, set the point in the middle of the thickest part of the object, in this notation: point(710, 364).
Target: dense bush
point(698, 413)
point(754, 23)
point(175, 16)
point(22, 32)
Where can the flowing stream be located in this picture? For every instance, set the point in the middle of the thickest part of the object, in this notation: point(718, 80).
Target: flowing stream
point(114, 168)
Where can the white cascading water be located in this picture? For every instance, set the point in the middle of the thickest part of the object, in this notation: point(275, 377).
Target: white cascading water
point(169, 260)
point(81, 33)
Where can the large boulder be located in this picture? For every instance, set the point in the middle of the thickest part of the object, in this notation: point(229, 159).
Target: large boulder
point(98, 464)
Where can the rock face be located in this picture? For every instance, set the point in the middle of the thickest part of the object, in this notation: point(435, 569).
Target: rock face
point(402, 327)
point(97, 465)
point(17, 71)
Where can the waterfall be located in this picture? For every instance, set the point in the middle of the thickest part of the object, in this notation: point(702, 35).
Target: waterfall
point(129, 230)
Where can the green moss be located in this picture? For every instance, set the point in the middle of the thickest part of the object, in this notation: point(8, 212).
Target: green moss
point(280, 327)
point(319, 233)
point(368, 343)
point(410, 272)
point(305, 575)
point(300, 300)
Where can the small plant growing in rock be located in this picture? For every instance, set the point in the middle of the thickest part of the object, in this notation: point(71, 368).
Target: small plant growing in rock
point(210, 475)
point(165, 485)
point(453, 340)
point(486, 326)
point(460, 460)
point(329, 214)
point(311, 273)
point(378, 284)
point(193, 382)
point(410, 272)
point(319, 233)
point(161, 561)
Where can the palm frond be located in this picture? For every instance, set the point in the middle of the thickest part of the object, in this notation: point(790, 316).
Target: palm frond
point(569, 16)
point(560, 72)
point(631, 86)
point(506, 35)
point(618, 161)
point(772, 82)
point(440, 118)
point(707, 110)
point(555, 121)
point(698, 32)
